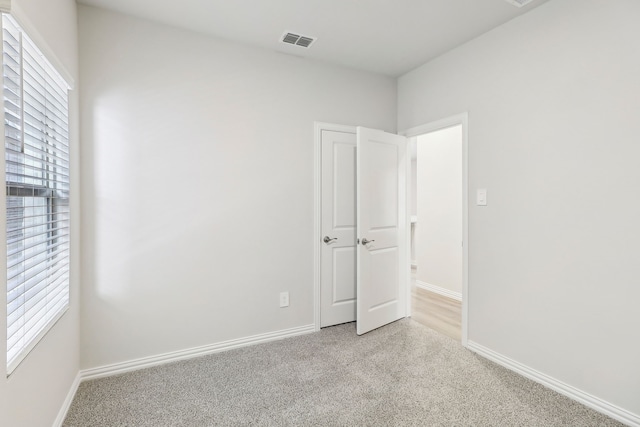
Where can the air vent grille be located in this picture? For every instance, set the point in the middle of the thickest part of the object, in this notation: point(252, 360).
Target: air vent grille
point(297, 39)
point(519, 3)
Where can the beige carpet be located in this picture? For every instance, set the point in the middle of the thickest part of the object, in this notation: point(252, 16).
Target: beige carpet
point(403, 374)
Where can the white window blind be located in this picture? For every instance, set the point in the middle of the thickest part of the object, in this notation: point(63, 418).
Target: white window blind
point(37, 180)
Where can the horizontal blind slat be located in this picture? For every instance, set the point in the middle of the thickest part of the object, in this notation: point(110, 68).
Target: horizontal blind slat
point(30, 232)
point(31, 295)
point(35, 100)
point(24, 263)
point(19, 288)
point(13, 250)
point(35, 318)
point(29, 156)
point(32, 276)
point(36, 262)
point(37, 139)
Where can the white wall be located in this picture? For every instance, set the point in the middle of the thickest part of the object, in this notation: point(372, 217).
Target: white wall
point(438, 233)
point(553, 100)
point(34, 393)
point(198, 157)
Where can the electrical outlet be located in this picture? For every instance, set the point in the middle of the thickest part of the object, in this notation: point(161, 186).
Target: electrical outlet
point(284, 299)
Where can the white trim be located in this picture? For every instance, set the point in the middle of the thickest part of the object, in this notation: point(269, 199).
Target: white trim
point(62, 414)
point(318, 127)
point(5, 6)
point(458, 119)
point(439, 290)
point(408, 263)
point(404, 228)
point(464, 119)
point(565, 389)
point(410, 220)
point(161, 359)
point(447, 122)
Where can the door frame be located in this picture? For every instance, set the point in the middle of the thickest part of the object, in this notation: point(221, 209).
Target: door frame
point(318, 127)
point(455, 120)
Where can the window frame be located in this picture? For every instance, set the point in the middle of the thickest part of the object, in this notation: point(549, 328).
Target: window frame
point(55, 85)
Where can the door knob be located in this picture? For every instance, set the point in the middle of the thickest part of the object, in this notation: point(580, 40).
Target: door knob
point(366, 241)
point(328, 239)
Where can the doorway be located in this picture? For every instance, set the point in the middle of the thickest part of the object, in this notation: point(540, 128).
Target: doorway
point(437, 230)
point(439, 208)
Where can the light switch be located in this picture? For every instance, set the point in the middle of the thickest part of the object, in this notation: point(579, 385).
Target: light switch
point(284, 299)
point(482, 197)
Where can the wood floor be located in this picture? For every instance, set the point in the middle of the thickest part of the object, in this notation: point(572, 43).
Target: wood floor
point(436, 311)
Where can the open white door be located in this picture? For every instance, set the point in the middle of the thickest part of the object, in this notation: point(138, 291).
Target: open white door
point(381, 225)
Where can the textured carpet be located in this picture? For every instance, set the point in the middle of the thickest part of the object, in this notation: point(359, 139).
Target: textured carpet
point(403, 374)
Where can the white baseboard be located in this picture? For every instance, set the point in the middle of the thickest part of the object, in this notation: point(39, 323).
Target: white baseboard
point(571, 392)
point(62, 414)
point(438, 290)
point(147, 362)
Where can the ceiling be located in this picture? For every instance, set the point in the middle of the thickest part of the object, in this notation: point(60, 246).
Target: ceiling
point(389, 37)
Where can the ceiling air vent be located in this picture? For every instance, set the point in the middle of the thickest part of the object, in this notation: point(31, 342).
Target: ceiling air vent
point(519, 3)
point(297, 39)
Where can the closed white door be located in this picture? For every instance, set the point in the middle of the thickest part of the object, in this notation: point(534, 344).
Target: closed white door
point(338, 256)
point(381, 223)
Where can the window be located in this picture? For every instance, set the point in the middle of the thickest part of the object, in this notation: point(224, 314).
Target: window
point(36, 131)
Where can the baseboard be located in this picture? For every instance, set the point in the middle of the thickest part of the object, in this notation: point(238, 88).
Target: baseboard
point(565, 389)
point(438, 290)
point(147, 362)
point(62, 414)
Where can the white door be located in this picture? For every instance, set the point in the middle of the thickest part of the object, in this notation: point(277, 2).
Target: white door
point(338, 255)
point(381, 224)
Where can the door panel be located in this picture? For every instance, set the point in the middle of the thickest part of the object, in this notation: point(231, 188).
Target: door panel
point(344, 182)
point(381, 217)
point(381, 175)
point(338, 257)
point(384, 270)
point(344, 275)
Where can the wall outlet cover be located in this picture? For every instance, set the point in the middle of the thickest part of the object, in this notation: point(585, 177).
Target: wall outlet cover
point(284, 299)
point(482, 197)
